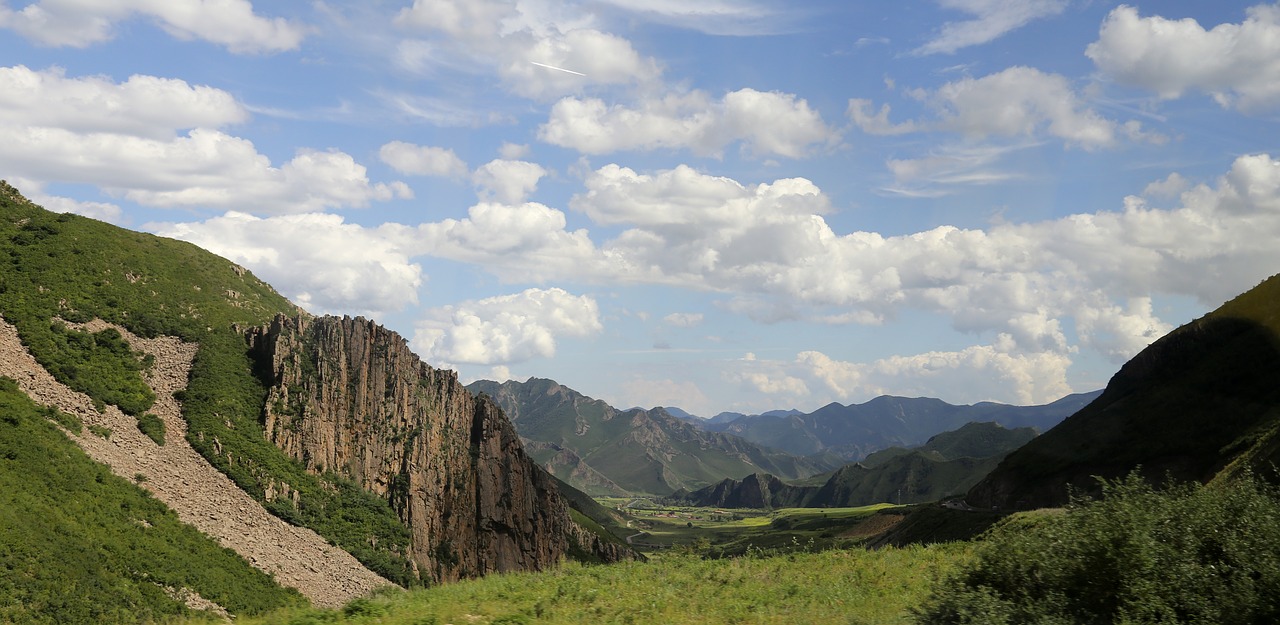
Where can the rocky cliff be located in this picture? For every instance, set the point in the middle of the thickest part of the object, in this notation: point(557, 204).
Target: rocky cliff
point(347, 395)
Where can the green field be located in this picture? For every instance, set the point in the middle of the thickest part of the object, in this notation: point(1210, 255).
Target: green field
point(656, 529)
point(839, 586)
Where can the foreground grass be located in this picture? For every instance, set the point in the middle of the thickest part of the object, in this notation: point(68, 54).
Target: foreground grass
point(846, 587)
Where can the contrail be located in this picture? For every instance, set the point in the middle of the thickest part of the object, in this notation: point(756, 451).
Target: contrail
point(558, 69)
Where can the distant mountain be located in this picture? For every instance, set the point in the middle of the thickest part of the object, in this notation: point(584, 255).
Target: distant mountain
point(605, 451)
point(854, 431)
point(972, 440)
point(1201, 403)
point(949, 464)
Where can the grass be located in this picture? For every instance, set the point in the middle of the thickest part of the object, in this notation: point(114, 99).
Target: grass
point(719, 532)
point(847, 587)
point(81, 545)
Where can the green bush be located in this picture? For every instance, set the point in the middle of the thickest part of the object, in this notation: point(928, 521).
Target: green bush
point(1187, 554)
point(152, 426)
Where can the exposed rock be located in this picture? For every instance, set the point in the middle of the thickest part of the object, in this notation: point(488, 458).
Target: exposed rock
point(348, 395)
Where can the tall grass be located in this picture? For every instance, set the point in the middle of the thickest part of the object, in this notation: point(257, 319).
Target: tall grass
point(846, 587)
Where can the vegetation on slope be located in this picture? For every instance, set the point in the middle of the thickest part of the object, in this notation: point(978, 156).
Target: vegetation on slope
point(831, 587)
point(1201, 399)
point(1190, 554)
point(74, 268)
point(81, 545)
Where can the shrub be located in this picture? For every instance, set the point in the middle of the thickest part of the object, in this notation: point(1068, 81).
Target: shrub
point(152, 426)
point(1188, 554)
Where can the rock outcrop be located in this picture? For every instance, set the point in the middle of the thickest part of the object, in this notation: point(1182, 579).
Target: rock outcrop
point(347, 395)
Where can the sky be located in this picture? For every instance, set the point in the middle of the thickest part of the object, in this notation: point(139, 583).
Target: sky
point(716, 205)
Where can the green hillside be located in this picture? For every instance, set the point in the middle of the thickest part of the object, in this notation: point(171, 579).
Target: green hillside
point(1201, 400)
point(62, 266)
point(636, 451)
point(81, 545)
point(972, 440)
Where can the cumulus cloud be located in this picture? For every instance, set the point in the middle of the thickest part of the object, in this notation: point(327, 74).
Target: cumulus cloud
point(506, 329)
point(1237, 64)
point(35, 191)
point(518, 242)
point(129, 139)
point(229, 23)
point(318, 261)
point(142, 106)
point(976, 373)
point(422, 160)
point(766, 123)
point(992, 19)
point(509, 182)
point(509, 37)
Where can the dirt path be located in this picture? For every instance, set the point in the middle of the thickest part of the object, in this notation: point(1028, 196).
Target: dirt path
point(182, 479)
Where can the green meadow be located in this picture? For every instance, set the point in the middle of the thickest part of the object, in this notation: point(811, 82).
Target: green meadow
point(836, 586)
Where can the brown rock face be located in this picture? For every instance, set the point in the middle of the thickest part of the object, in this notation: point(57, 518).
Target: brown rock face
point(347, 395)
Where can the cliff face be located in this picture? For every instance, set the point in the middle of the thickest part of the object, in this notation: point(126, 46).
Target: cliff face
point(347, 395)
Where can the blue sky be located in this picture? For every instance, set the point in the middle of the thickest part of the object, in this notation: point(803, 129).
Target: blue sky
point(714, 205)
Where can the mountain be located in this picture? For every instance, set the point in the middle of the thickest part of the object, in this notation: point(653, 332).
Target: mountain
point(949, 464)
point(600, 449)
point(1200, 403)
point(972, 440)
point(854, 431)
point(320, 451)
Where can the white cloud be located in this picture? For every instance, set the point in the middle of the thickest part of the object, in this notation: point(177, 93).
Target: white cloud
point(683, 320)
point(34, 191)
point(508, 182)
point(316, 260)
point(1237, 64)
point(519, 242)
point(127, 139)
point(509, 37)
point(877, 123)
point(713, 17)
point(765, 122)
point(513, 151)
point(1021, 101)
point(142, 106)
point(1016, 102)
point(506, 329)
point(976, 373)
point(422, 160)
point(992, 19)
point(229, 23)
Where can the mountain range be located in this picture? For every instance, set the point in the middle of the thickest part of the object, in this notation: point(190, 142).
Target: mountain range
point(853, 431)
point(606, 451)
point(948, 464)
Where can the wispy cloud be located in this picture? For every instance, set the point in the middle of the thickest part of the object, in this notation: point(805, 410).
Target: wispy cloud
point(992, 19)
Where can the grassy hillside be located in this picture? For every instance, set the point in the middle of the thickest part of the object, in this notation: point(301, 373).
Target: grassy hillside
point(81, 545)
point(1200, 400)
point(972, 440)
point(73, 268)
point(830, 587)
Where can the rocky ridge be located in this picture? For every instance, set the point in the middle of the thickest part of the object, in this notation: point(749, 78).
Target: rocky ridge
point(349, 396)
point(178, 476)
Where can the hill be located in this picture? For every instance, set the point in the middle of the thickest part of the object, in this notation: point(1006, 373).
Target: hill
point(606, 451)
point(854, 431)
point(949, 464)
point(1201, 402)
point(147, 342)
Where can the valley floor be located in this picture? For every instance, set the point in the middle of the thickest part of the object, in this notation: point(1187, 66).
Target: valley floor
point(839, 586)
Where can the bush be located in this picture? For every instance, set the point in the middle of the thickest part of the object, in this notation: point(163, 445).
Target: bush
point(152, 426)
point(1188, 554)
